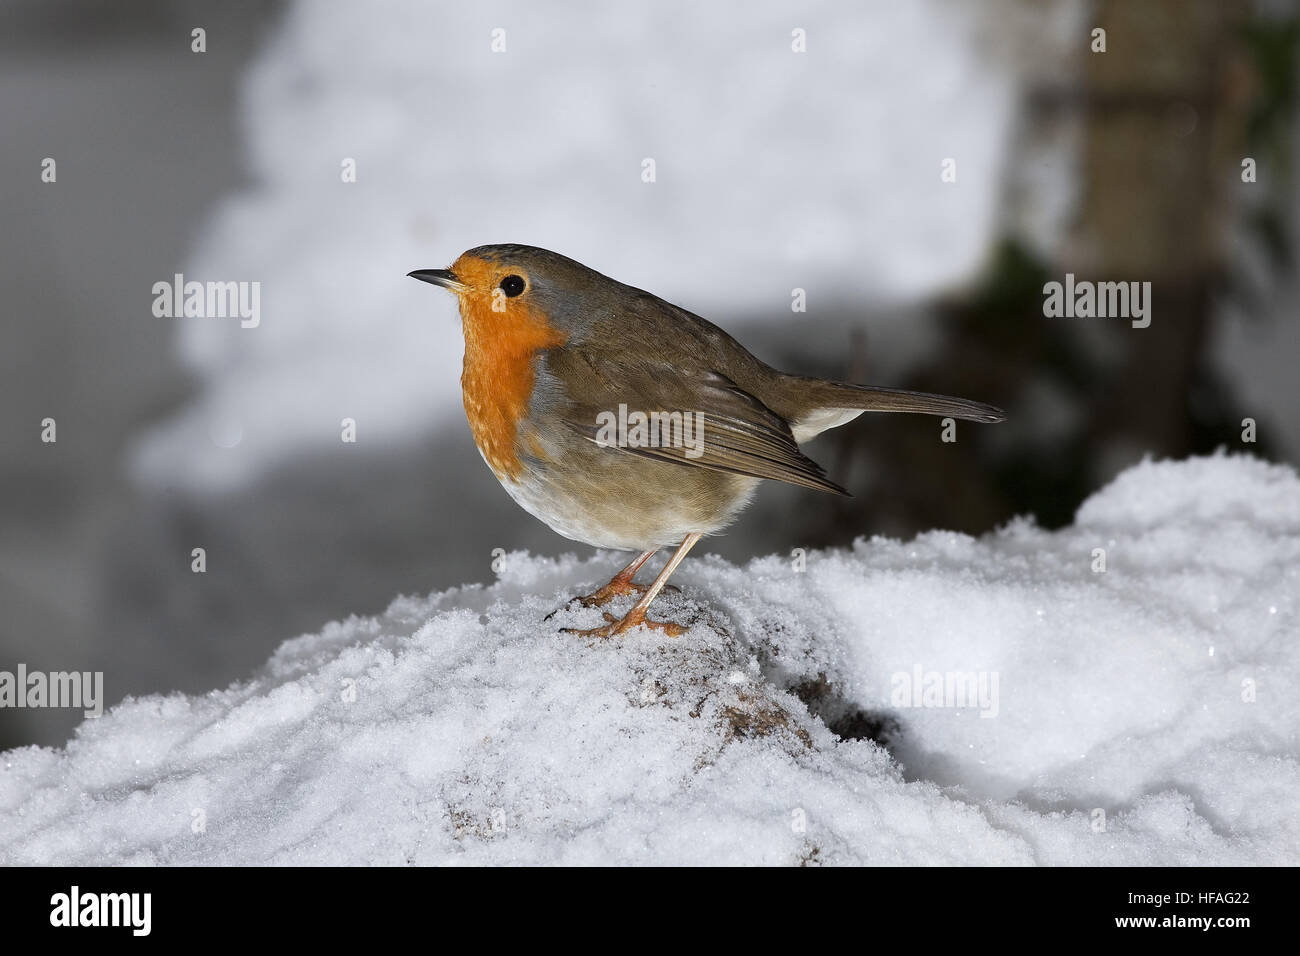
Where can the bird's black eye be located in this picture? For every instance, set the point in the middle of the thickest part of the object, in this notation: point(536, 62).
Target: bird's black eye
point(512, 285)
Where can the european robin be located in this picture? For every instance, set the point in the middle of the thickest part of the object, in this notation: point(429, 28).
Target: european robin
point(625, 422)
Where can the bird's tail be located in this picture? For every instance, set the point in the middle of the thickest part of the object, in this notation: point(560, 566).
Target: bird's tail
point(820, 394)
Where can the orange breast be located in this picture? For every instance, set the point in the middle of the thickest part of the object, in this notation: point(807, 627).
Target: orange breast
point(498, 378)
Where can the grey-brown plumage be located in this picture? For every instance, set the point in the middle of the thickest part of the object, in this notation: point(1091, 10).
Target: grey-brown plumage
point(688, 364)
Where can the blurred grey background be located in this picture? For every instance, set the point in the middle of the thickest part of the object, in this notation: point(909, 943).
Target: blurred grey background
point(175, 434)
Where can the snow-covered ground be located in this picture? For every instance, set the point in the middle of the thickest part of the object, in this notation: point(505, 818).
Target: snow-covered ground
point(1144, 714)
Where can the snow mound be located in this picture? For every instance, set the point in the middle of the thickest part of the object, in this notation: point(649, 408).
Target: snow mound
point(1143, 714)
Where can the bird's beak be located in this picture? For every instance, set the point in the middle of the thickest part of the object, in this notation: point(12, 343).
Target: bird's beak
point(443, 277)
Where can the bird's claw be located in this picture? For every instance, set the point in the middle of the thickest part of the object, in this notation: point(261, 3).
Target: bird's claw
point(603, 595)
point(616, 626)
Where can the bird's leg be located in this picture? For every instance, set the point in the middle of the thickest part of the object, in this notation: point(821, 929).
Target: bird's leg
point(636, 616)
point(619, 584)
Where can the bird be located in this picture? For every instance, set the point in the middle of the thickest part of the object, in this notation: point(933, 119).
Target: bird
point(625, 422)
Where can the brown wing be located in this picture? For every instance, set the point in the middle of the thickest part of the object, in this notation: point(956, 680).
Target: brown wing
point(737, 432)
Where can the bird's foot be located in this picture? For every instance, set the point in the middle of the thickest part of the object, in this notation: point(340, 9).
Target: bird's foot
point(616, 588)
point(606, 593)
point(633, 618)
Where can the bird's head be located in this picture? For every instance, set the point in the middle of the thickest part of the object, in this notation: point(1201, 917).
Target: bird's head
point(508, 292)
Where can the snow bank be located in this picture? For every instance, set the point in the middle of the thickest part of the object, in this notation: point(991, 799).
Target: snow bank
point(1144, 714)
